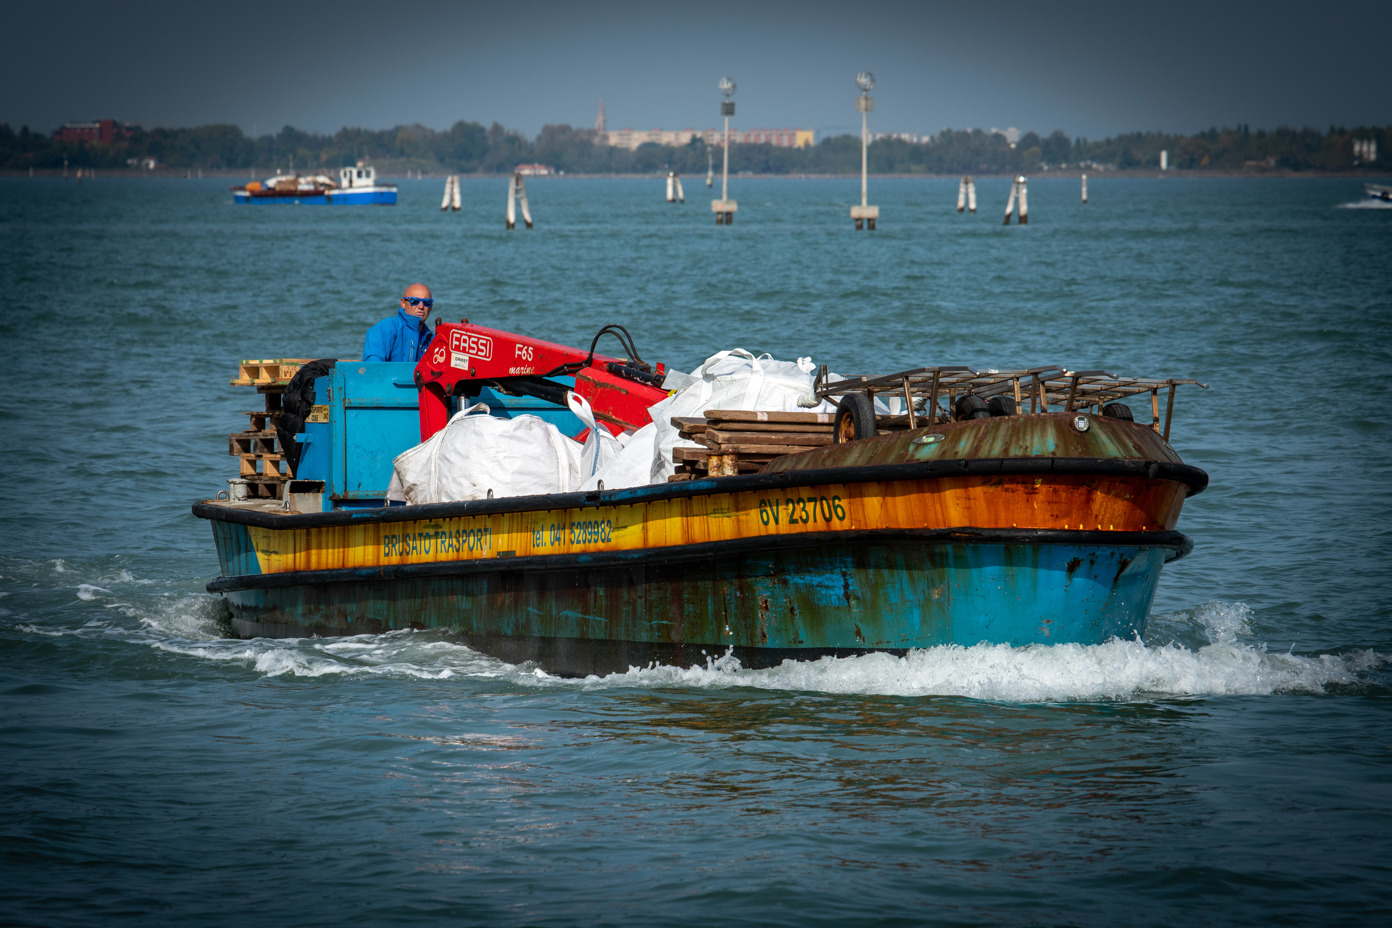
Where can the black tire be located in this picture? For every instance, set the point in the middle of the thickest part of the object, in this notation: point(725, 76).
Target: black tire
point(971, 406)
point(1118, 411)
point(1001, 405)
point(855, 418)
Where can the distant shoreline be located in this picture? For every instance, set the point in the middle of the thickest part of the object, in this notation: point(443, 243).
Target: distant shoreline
point(1072, 173)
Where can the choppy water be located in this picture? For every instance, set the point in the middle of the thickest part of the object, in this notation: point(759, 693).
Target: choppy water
point(1234, 767)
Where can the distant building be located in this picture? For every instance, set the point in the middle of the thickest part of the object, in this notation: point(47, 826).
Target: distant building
point(909, 137)
point(535, 170)
point(782, 138)
point(779, 138)
point(1012, 135)
point(599, 120)
point(104, 131)
point(631, 138)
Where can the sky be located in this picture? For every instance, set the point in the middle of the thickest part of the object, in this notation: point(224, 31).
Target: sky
point(1089, 69)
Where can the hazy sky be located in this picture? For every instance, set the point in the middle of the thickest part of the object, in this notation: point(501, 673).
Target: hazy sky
point(1090, 69)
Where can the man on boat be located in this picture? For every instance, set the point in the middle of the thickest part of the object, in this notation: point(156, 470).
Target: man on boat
point(405, 336)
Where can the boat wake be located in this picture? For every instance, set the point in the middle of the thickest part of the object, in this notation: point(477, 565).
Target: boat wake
point(1367, 203)
point(1206, 651)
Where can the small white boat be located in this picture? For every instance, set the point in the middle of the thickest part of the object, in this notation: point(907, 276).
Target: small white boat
point(1378, 192)
point(356, 185)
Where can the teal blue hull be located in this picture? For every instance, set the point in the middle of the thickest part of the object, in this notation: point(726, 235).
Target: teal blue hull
point(601, 614)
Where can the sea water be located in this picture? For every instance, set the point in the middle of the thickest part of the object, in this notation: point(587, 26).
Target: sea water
point(1234, 766)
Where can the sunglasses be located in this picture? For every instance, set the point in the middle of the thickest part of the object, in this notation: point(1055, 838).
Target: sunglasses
point(427, 302)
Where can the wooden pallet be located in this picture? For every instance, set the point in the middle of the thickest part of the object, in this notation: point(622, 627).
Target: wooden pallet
point(265, 487)
point(264, 420)
point(259, 455)
point(743, 441)
point(272, 371)
point(260, 459)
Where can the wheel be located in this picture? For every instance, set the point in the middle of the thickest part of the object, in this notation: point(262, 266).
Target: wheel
point(855, 418)
point(1118, 411)
point(1001, 405)
point(971, 406)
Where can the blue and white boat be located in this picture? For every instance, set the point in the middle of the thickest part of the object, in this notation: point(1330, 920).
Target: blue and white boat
point(355, 185)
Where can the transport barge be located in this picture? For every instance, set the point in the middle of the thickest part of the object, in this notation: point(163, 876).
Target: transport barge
point(1011, 507)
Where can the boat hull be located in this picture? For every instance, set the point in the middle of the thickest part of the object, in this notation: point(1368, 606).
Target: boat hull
point(380, 196)
point(804, 563)
point(823, 594)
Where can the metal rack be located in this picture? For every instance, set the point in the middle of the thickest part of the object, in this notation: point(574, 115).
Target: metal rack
point(1050, 388)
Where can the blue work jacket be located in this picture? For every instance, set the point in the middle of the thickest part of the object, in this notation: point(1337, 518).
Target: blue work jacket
point(402, 337)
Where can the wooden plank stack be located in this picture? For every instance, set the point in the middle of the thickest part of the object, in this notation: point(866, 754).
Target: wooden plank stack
point(261, 459)
point(742, 441)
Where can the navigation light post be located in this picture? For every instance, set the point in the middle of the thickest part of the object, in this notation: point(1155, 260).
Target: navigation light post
point(725, 208)
point(865, 103)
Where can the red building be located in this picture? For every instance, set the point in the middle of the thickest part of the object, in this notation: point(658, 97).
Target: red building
point(103, 130)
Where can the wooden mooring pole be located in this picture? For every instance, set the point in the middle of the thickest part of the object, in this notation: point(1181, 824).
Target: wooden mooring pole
point(451, 198)
point(1018, 194)
point(966, 195)
point(674, 188)
point(517, 190)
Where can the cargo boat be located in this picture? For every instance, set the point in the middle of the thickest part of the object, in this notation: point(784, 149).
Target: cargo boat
point(355, 186)
point(1008, 507)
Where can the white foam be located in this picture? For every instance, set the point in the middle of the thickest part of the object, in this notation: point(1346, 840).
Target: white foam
point(410, 654)
point(1038, 673)
point(1117, 670)
point(196, 617)
point(1207, 651)
point(1367, 203)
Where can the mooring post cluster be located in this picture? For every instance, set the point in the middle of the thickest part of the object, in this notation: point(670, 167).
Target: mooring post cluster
point(1018, 194)
point(451, 200)
point(674, 188)
point(966, 195)
point(517, 190)
point(725, 208)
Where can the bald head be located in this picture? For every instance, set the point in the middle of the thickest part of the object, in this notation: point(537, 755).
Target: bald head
point(417, 292)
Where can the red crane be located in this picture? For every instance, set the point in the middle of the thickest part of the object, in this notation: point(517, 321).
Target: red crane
point(465, 357)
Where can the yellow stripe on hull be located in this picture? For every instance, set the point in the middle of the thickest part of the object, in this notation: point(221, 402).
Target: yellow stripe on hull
point(1054, 502)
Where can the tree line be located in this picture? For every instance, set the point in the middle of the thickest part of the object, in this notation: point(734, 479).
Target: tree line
point(469, 147)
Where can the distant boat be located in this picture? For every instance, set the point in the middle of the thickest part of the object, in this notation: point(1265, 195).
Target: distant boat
point(356, 185)
point(1378, 192)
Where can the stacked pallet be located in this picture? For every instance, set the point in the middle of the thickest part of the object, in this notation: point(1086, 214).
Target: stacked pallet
point(742, 441)
point(261, 460)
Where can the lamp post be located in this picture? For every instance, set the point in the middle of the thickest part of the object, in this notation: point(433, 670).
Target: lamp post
point(865, 103)
point(725, 208)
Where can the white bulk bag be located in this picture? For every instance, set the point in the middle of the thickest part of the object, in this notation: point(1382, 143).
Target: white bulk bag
point(474, 453)
point(733, 379)
point(631, 467)
point(601, 445)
